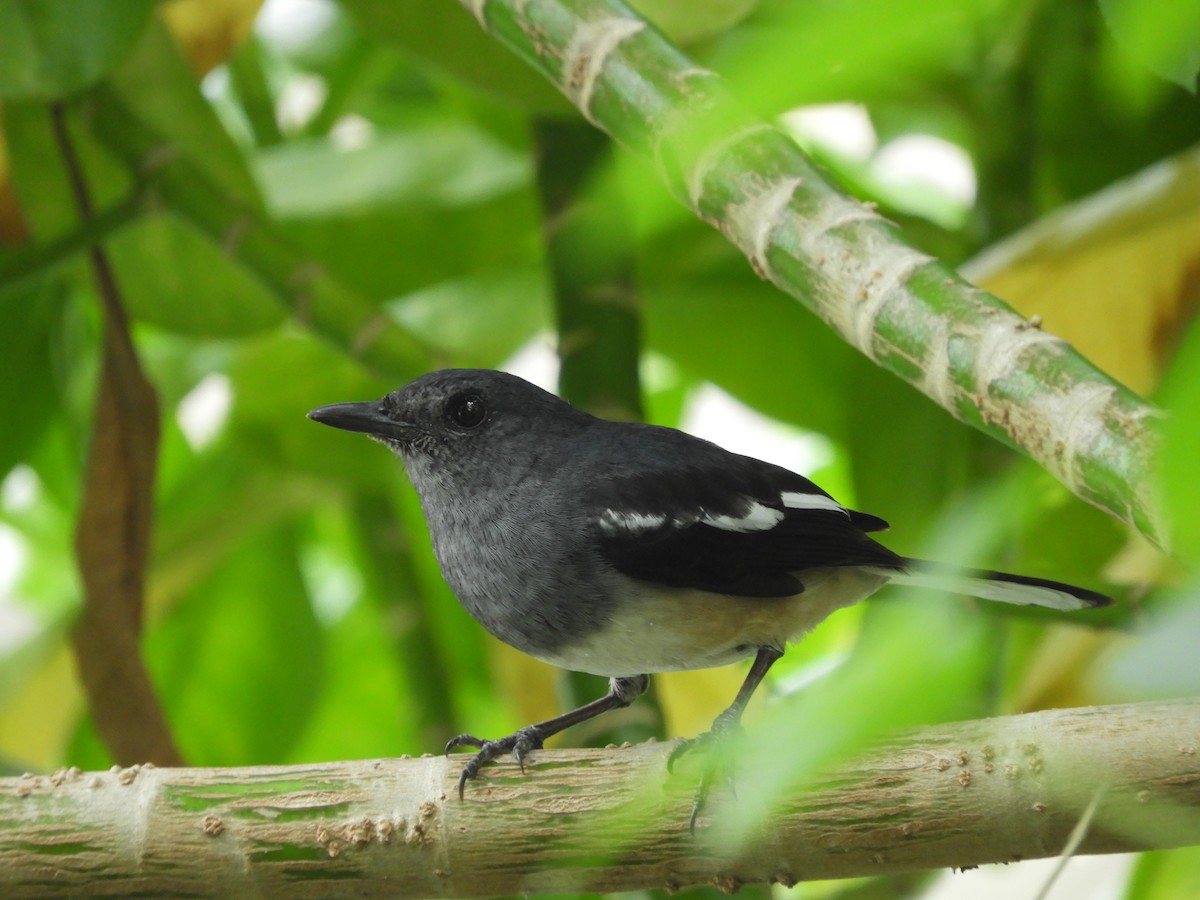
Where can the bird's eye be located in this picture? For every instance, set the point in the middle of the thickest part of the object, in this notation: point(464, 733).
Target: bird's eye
point(465, 410)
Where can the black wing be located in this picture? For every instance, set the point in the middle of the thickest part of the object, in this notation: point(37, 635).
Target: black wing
point(749, 530)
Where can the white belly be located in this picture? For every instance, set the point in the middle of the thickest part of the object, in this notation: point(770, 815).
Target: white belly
point(671, 629)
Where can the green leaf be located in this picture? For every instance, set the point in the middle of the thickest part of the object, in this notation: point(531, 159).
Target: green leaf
point(391, 252)
point(1164, 37)
point(276, 380)
point(905, 451)
point(447, 163)
point(157, 86)
point(430, 192)
point(53, 48)
point(39, 174)
point(445, 35)
point(786, 54)
point(322, 302)
point(493, 315)
point(173, 276)
point(1166, 875)
point(28, 402)
point(690, 21)
point(1180, 395)
point(239, 662)
point(362, 710)
point(751, 340)
point(884, 686)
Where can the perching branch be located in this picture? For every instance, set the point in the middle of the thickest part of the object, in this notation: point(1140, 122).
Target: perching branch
point(964, 348)
point(963, 794)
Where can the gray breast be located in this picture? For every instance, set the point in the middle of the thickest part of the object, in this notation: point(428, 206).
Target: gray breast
point(522, 566)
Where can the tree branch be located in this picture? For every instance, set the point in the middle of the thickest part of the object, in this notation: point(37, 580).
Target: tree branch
point(963, 794)
point(964, 348)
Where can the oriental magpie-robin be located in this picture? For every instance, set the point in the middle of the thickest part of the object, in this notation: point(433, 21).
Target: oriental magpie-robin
point(623, 549)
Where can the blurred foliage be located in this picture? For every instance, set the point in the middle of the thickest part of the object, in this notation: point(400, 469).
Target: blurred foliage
point(350, 195)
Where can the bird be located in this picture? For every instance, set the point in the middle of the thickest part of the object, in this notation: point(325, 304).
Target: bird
point(626, 549)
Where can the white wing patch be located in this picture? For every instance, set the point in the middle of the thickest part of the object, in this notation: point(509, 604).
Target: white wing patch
point(615, 521)
point(757, 518)
point(797, 500)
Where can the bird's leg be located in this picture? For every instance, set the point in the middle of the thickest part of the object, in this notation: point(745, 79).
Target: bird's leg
point(728, 721)
point(621, 692)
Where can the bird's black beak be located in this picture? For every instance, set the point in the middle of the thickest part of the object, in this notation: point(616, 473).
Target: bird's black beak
point(366, 417)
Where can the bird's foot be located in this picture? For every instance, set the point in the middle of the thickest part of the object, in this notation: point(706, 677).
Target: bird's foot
point(519, 745)
point(717, 745)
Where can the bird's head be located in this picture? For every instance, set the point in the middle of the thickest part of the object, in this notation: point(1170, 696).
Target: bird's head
point(475, 417)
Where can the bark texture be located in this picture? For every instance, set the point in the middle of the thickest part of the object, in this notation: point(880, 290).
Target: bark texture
point(963, 794)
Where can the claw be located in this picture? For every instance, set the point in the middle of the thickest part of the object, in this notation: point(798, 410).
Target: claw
point(466, 774)
point(717, 764)
point(680, 748)
point(468, 740)
point(518, 744)
point(699, 800)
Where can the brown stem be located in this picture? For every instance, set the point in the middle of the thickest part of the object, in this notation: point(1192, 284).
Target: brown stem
point(112, 536)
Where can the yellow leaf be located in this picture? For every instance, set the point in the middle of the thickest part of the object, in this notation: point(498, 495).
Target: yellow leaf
point(37, 725)
point(1117, 274)
point(691, 700)
point(209, 31)
point(530, 685)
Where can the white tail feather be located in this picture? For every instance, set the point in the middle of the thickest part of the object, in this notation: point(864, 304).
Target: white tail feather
point(1015, 589)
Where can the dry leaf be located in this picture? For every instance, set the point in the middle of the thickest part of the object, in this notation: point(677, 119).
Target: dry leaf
point(112, 543)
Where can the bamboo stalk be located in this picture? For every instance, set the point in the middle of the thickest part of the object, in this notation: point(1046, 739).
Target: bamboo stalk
point(964, 348)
